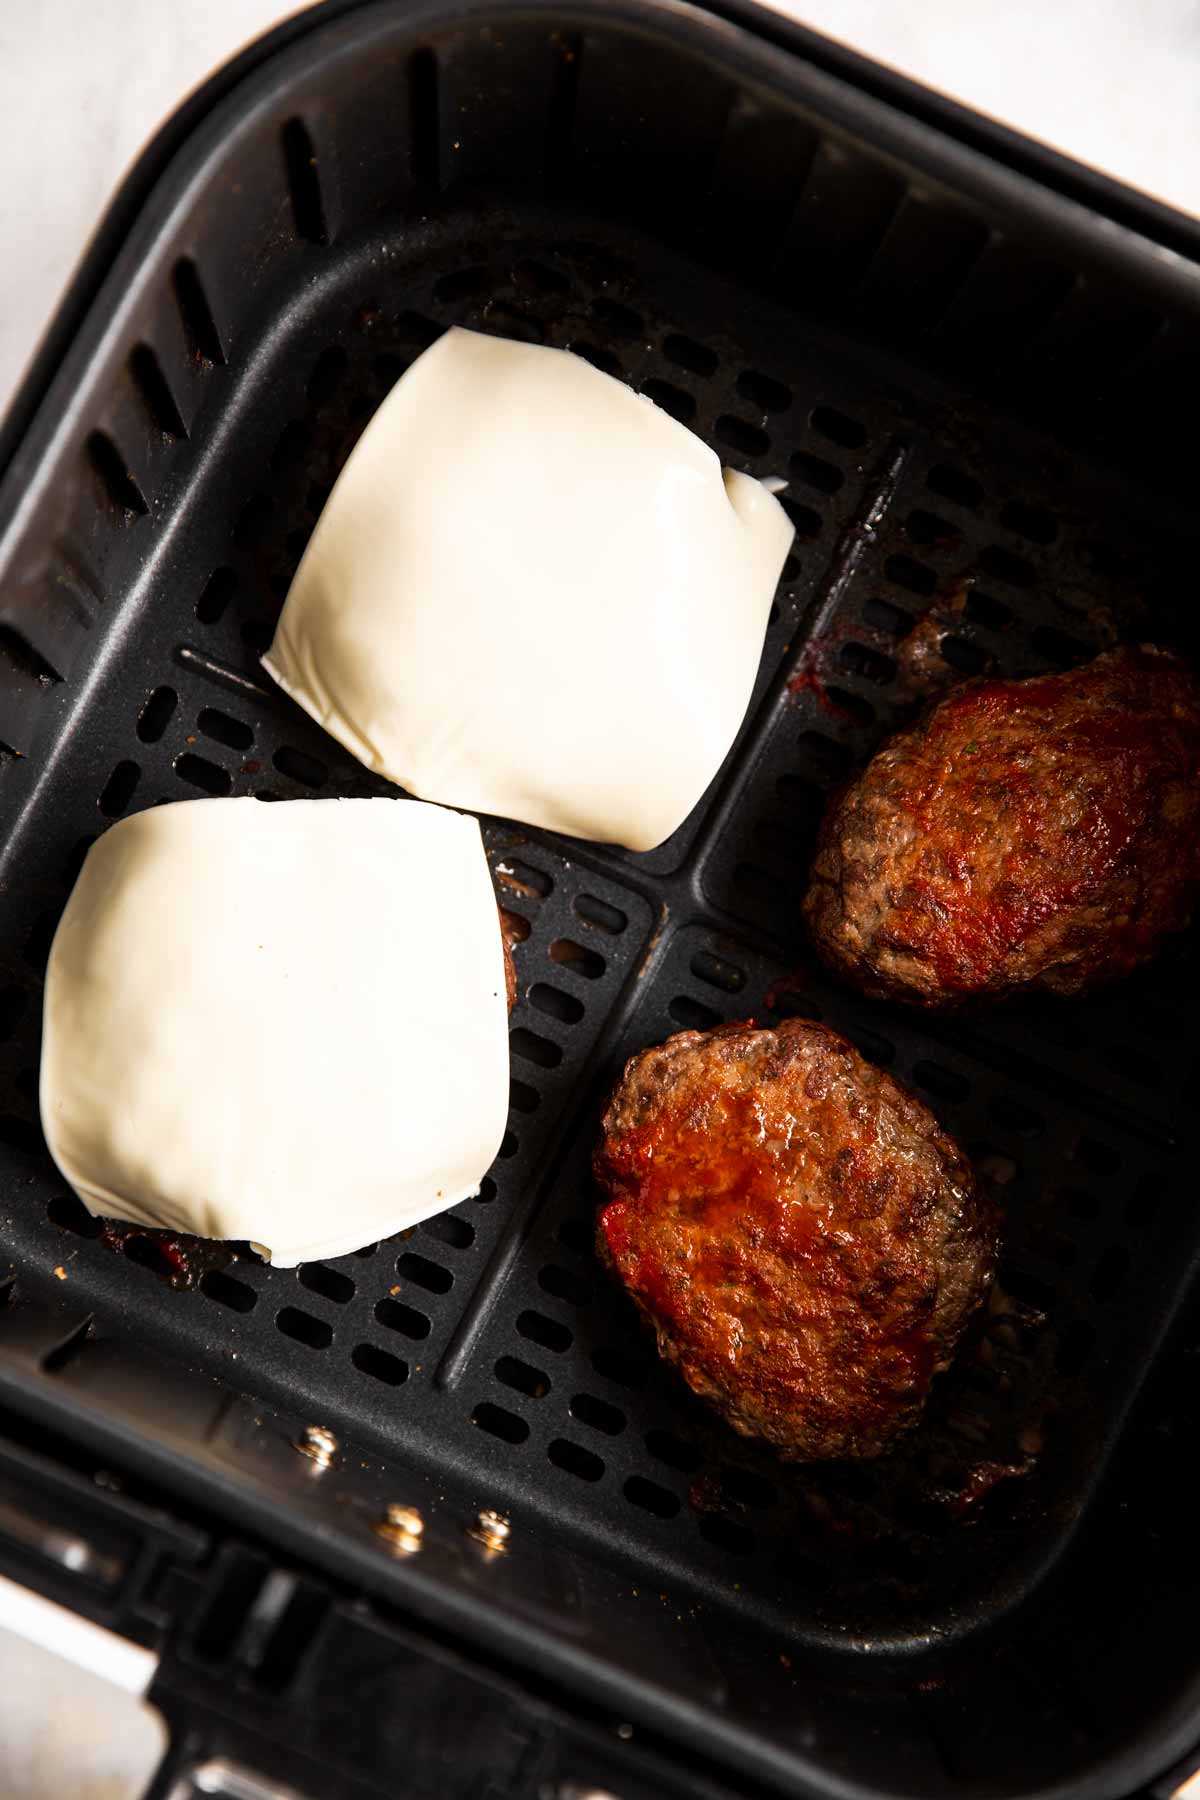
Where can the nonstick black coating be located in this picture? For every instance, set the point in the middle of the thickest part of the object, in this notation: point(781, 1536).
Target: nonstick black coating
point(954, 410)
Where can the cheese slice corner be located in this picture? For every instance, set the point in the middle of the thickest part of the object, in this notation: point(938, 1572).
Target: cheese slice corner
point(285, 1024)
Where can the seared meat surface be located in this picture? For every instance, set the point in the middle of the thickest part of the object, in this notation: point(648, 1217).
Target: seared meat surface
point(805, 1240)
point(1041, 833)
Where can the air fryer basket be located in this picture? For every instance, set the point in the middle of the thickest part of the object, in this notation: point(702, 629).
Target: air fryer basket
point(980, 395)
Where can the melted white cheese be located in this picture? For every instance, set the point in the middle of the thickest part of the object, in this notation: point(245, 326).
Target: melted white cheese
point(533, 593)
point(284, 1023)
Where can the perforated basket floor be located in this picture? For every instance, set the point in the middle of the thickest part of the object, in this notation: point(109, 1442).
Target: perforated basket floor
point(488, 1340)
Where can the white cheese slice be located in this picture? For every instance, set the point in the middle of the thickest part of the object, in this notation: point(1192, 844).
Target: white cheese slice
point(533, 593)
point(285, 1023)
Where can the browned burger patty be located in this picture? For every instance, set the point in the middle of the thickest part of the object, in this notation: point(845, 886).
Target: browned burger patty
point(803, 1237)
point(1041, 833)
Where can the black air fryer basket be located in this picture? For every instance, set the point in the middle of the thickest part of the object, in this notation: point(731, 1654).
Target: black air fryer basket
point(978, 369)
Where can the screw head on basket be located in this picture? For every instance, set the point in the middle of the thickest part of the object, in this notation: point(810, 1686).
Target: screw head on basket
point(318, 1443)
point(401, 1528)
point(491, 1529)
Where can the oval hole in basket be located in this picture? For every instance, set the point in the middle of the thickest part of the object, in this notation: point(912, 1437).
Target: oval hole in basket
point(331, 1284)
point(870, 665)
point(983, 610)
point(379, 1364)
point(911, 575)
point(651, 1497)
point(1100, 1158)
point(745, 1488)
point(601, 913)
point(621, 1366)
point(328, 373)
point(601, 359)
point(119, 789)
point(304, 1328)
point(886, 617)
point(686, 353)
point(620, 320)
point(304, 181)
point(539, 278)
point(962, 655)
point(532, 1047)
point(1075, 1347)
point(858, 713)
point(228, 1291)
point(1111, 1272)
point(555, 1004)
point(523, 878)
point(672, 399)
point(1059, 647)
point(225, 730)
point(515, 926)
point(148, 1253)
point(601, 1415)
point(691, 1015)
point(954, 484)
point(676, 1452)
point(825, 754)
point(1012, 1114)
point(717, 972)
point(837, 427)
point(498, 1422)
point(551, 1334)
point(1032, 522)
point(930, 530)
point(428, 1275)
point(577, 1234)
point(198, 772)
point(576, 957)
point(405, 1319)
point(292, 447)
point(522, 1096)
point(218, 592)
point(450, 1230)
point(156, 715)
point(806, 520)
point(1003, 565)
point(763, 391)
point(584, 1464)
point(463, 284)
point(815, 472)
point(523, 1377)
point(873, 1046)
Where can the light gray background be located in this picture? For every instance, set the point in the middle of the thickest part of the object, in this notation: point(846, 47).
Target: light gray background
point(84, 83)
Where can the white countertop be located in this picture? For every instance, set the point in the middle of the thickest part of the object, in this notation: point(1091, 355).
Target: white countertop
point(84, 83)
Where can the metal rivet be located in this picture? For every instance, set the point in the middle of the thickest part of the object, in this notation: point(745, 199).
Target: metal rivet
point(400, 1527)
point(491, 1529)
point(318, 1444)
